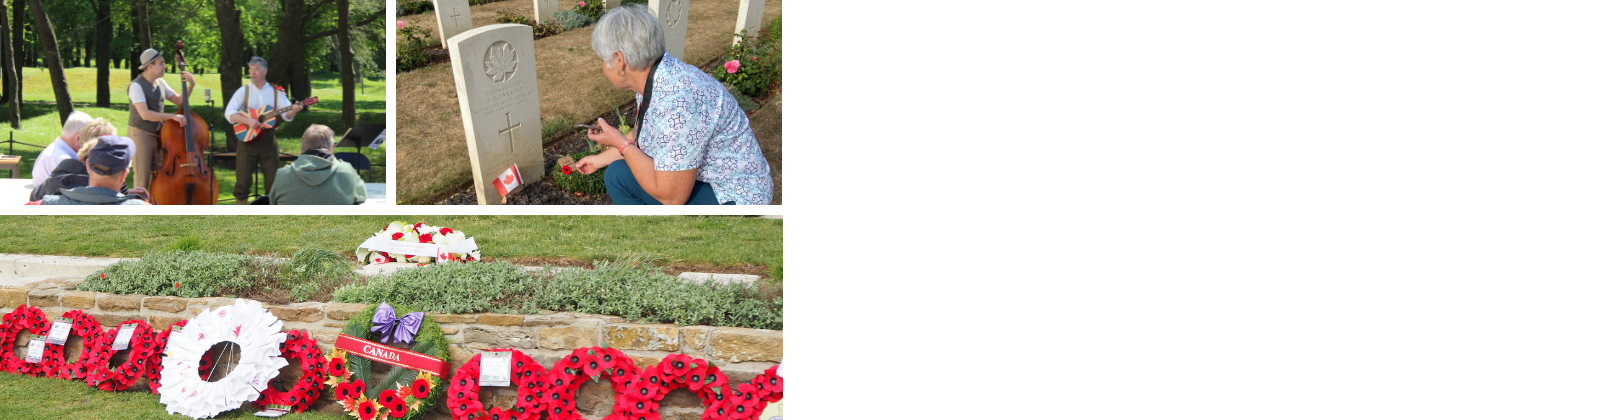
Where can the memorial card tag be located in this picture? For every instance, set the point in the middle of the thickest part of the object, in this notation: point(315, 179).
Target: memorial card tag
point(35, 350)
point(496, 369)
point(124, 335)
point(59, 331)
point(273, 410)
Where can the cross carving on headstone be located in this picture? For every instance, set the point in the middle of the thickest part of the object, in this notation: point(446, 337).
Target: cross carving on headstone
point(510, 134)
point(456, 18)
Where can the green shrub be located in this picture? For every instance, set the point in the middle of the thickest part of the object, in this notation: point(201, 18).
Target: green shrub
point(507, 17)
point(314, 270)
point(408, 7)
point(570, 20)
point(591, 8)
point(635, 289)
point(540, 30)
point(180, 273)
point(186, 243)
point(450, 288)
point(413, 44)
point(760, 61)
point(594, 183)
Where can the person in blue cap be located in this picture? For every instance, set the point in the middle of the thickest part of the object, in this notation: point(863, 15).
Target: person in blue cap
point(108, 170)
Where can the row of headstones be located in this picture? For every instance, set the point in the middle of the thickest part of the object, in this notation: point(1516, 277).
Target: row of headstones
point(499, 95)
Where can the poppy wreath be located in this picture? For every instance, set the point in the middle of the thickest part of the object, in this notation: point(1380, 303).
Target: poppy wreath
point(85, 327)
point(159, 348)
point(526, 375)
point(422, 234)
point(595, 363)
point(258, 335)
point(402, 396)
point(299, 346)
point(643, 390)
point(141, 346)
point(30, 319)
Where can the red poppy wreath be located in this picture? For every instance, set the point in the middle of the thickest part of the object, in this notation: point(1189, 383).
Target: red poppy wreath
point(299, 346)
point(141, 346)
point(593, 362)
point(32, 320)
point(159, 349)
point(527, 376)
point(85, 327)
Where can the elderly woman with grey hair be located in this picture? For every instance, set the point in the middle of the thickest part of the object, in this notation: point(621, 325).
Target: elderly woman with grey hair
point(693, 144)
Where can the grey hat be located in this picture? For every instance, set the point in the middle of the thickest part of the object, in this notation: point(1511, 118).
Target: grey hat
point(147, 56)
point(110, 155)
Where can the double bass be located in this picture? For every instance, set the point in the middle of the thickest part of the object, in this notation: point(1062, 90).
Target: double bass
point(183, 177)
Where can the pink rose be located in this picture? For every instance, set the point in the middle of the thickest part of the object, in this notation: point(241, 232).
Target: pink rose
point(580, 4)
point(732, 66)
point(401, 23)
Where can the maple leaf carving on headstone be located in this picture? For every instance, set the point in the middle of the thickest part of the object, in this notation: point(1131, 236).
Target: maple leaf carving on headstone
point(500, 62)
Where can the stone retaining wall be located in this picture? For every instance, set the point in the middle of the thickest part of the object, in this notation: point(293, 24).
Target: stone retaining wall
point(742, 353)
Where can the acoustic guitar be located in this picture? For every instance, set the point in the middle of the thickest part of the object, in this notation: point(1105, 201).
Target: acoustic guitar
point(268, 118)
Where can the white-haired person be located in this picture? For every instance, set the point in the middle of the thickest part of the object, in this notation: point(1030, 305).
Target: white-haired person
point(63, 148)
point(108, 160)
point(317, 177)
point(693, 144)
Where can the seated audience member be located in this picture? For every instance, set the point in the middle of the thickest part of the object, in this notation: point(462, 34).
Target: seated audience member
point(72, 173)
point(108, 161)
point(64, 148)
point(316, 177)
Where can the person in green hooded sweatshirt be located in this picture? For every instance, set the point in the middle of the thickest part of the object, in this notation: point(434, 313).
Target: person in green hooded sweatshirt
point(316, 177)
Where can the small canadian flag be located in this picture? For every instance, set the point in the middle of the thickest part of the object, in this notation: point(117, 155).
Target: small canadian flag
point(509, 180)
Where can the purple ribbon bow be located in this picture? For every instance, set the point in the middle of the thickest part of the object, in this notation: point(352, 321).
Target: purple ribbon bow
point(392, 329)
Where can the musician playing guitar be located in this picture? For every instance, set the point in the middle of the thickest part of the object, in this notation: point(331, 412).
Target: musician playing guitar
point(260, 153)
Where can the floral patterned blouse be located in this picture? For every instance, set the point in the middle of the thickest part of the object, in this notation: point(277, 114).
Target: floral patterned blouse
point(692, 122)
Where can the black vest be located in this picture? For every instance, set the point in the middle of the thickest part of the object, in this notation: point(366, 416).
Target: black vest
point(153, 100)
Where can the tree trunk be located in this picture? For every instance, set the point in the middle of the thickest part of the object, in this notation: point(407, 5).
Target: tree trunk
point(286, 53)
point(52, 58)
point(144, 24)
point(13, 96)
point(18, 45)
point(231, 58)
point(102, 57)
point(346, 68)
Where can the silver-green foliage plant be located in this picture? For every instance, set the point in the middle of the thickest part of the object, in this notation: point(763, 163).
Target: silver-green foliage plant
point(449, 288)
point(178, 273)
point(570, 20)
point(636, 289)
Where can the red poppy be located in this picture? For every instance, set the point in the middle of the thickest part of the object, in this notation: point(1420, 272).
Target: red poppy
point(774, 383)
point(640, 405)
point(336, 367)
point(367, 409)
point(715, 411)
point(714, 378)
point(358, 387)
point(102, 276)
point(695, 375)
point(420, 388)
point(566, 170)
point(398, 235)
point(676, 365)
point(398, 410)
point(343, 391)
point(591, 365)
point(388, 397)
point(178, 285)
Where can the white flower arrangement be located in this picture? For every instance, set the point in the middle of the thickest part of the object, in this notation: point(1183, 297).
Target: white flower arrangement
point(391, 245)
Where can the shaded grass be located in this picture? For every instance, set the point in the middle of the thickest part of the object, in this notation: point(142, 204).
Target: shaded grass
point(716, 240)
point(23, 397)
point(81, 84)
point(434, 159)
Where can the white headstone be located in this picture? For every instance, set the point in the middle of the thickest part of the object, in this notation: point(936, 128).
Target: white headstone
point(749, 19)
point(612, 4)
point(498, 88)
point(454, 17)
point(544, 11)
point(674, 18)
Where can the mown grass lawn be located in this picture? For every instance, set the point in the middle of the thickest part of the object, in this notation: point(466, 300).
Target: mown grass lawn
point(24, 397)
point(81, 84)
point(715, 240)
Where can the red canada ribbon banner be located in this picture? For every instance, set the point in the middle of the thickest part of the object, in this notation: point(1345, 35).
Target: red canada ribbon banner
point(398, 357)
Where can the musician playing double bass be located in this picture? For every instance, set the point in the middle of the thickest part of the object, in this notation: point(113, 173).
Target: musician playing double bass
point(261, 153)
point(146, 112)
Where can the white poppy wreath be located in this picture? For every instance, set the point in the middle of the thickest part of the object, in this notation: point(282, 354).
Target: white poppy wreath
point(245, 324)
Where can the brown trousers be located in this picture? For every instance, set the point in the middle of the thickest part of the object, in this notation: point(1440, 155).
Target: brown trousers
point(259, 154)
point(144, 156)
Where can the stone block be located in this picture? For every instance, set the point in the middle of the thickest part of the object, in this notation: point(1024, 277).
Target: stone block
point(547, 321)
point(166, 304)
point(499, 339)
point(114, 320)
point(596, 399)
point(12, 297)
point(694, 338)
point(449, 330)
point(735, 345)
point(644, 362)
point(298, 312)
point(325, 336)
point(161, 322)
point(343, 311)
point(682, 398)
point(500, 319)
point(110, 302)
point(661, 337)
point(449, 318)
point(682, 414)
point(334, 325)
point(569, 337)
point(77, 300)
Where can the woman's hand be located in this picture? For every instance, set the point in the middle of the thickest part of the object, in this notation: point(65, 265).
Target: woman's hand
point(591, 163)
point(608, 136)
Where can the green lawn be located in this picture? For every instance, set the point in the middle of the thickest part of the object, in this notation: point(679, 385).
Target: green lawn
point(24, 397)
point(717, 240)
point(41, 124)
point(81, 84)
